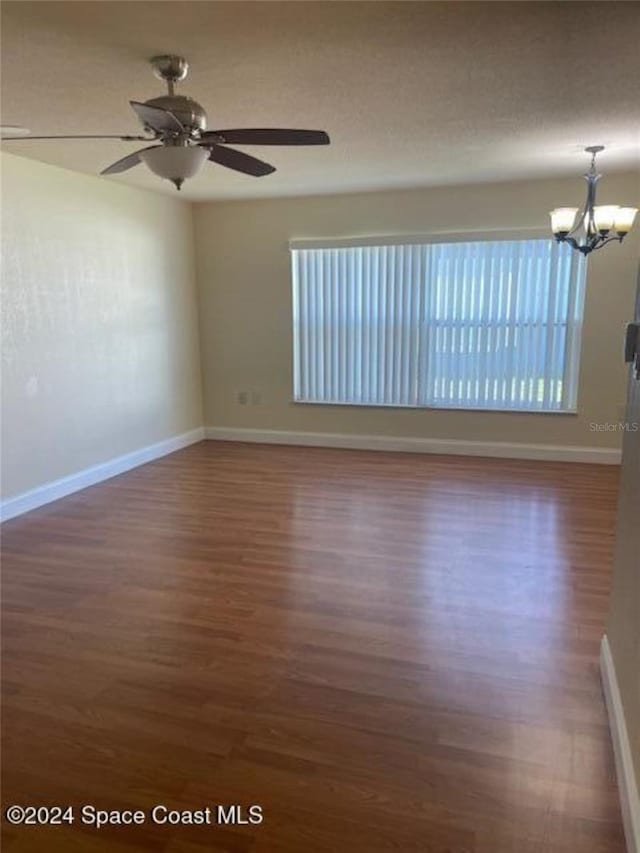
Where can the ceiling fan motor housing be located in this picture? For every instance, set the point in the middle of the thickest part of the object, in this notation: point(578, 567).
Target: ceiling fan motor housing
point(189, 113)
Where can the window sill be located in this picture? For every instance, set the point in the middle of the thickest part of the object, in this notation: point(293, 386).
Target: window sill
point(467, 409)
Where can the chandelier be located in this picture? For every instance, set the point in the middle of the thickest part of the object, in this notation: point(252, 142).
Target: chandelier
point(597, 225)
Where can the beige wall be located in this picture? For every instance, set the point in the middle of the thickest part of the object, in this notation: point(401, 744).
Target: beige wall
point(99, 322)
point(245, 306)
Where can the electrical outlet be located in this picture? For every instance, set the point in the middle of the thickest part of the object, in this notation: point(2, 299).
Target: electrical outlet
point(242, 397)
point(256, 398)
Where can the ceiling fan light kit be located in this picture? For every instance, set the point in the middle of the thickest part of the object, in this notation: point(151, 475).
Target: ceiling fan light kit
point(177, 125)
point(596, 225)
point(176, 163)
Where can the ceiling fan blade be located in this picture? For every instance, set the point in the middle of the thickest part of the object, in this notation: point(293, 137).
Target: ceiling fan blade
point(156, 118)
point(127, 162)
point(268, 136)
point(239, 161)
point(84, 136)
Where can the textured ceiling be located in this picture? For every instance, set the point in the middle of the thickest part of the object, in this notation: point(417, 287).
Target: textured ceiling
point(412, 93)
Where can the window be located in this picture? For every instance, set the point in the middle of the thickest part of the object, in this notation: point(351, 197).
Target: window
point(482, 324)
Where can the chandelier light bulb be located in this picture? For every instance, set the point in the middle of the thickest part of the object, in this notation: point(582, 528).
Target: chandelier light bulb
point(604, 216)
point(624, 219)
point(562, 219)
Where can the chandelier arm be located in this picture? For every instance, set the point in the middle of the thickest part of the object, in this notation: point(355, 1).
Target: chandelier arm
point(591, 197)
point(571, 241)
point(602, 243)
point(592, 242)
point(580, 221)
point(587, 211)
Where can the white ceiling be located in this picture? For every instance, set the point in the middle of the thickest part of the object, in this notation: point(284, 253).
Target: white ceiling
point(411, 93)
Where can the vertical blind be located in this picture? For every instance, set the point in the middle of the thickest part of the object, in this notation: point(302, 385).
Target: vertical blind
point(482, 324)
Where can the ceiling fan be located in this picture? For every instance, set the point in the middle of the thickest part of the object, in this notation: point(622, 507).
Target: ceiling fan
point(177, 127)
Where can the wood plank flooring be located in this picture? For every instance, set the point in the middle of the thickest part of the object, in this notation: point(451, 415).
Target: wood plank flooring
point(387, 652)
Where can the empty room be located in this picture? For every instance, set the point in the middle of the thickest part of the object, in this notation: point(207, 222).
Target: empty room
point(320, 426)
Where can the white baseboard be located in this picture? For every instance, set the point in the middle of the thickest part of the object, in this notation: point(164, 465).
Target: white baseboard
point(11, 507)
point(629, 798)
point(41, 495)
point(500, 449)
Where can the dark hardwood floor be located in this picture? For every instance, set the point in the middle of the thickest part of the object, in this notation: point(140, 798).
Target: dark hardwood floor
point(387, 652)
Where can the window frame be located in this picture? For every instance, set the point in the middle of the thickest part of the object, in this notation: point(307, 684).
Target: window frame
point(437, 237)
